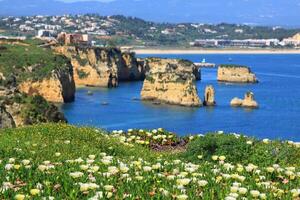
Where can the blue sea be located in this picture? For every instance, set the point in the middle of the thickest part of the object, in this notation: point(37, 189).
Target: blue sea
point(278, 94)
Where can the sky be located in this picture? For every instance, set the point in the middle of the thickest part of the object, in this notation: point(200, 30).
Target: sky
point(257, 12)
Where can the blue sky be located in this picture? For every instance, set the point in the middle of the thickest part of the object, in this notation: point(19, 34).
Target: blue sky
point(258, 12)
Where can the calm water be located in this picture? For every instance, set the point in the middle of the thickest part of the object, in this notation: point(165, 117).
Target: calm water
point(278, 94)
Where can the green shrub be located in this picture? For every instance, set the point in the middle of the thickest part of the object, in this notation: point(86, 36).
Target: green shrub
point(239, 150)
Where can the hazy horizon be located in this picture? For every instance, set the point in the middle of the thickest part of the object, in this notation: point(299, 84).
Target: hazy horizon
point(253, 12)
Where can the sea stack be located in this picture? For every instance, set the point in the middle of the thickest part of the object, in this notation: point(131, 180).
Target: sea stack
point(236, 74)
point(247, 102)
point(171, 81)
point(209, 96)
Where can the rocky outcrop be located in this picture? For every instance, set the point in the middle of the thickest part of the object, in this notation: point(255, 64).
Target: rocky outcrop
point(6, 120)
point(101, 67)
point(18, 109)
point(58, 88)
point(209, 96)
point(37, 71)
point(170, 81)
point(248, 101)
point(236, 74)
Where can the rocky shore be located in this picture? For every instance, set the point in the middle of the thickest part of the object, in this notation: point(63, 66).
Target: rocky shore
point(170, 81)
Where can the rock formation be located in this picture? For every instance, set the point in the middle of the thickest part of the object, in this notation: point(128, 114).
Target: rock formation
point(58, 88)
point(248, 101)
point(209, 96)
point(37, 71)
point(17, 109)
point(236, 74)
point(6, 120)
point(170, 81)
point(101, 67)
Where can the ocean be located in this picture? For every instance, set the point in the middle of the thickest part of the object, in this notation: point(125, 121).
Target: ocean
point(278, 95)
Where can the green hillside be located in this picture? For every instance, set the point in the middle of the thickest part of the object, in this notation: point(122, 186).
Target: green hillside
point(58, 161)
point(27, 60)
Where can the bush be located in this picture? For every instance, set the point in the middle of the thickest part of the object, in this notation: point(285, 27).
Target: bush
point(242, 150)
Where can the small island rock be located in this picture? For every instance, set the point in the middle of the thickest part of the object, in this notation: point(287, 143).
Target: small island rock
point(209, 96)
point(236, 74)
point(248, 101)
point(170, 81)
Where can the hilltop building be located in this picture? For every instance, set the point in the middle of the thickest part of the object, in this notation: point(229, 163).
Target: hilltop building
point(67, 39)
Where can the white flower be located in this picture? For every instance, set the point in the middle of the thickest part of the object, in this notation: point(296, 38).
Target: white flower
point(266, 141)
point(147, 168)
point(202, 183)
point(255, 193)
point(108, 188)
point(183, 181)
point(25, 162)
point(76, 174)
point(243, 190)
point(182, 197)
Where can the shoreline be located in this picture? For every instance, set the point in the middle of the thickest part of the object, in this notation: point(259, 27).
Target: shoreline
point(216, 51)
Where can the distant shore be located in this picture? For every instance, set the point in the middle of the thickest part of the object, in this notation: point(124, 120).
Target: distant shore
point(216, 51)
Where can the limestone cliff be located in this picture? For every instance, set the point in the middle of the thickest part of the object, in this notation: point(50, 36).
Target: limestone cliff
point(101, 67)
point(6, 120)
point(18, 109)
point(58, 88)
point(36, 70)
point(248, 101)
point(170, 81)
point(236, 74)
point(209, 96)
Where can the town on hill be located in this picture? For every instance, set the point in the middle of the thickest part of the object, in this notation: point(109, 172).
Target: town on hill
point(134, 32)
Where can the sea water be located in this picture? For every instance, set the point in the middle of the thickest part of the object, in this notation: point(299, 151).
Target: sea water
point(278, 95)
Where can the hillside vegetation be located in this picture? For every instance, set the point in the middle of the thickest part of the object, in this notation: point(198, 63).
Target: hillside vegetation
point(58, 161)
point(27, 60)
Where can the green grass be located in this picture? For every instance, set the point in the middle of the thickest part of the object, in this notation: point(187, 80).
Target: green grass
point(120, 165)
point(27, 60)
point(233, 66)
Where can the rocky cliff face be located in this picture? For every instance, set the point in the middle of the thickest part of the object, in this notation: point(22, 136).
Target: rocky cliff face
point(209, 96)
point(236, 74)
point(248, 101)
point(170, 81)
point(101, 67)
point(18, 109)
point(37, 71)
point(58, 88)
point(6, 120)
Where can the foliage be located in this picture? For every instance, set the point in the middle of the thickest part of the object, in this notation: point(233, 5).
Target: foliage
point(26, 60)
point(241, 149)
point(233, 66)
point(65, 162)
point(82, 74)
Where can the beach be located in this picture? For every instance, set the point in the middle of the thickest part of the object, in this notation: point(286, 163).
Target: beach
point(216, 51)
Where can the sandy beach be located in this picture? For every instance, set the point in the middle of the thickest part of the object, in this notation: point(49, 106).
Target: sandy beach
point(216, 51)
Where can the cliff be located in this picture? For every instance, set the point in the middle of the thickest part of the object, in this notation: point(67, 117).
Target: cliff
point(59, 87)
point(170, 81)
point(18, 109)
point(248, 101)
point(236, 74)
point(36, 71)
point(101, 67)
